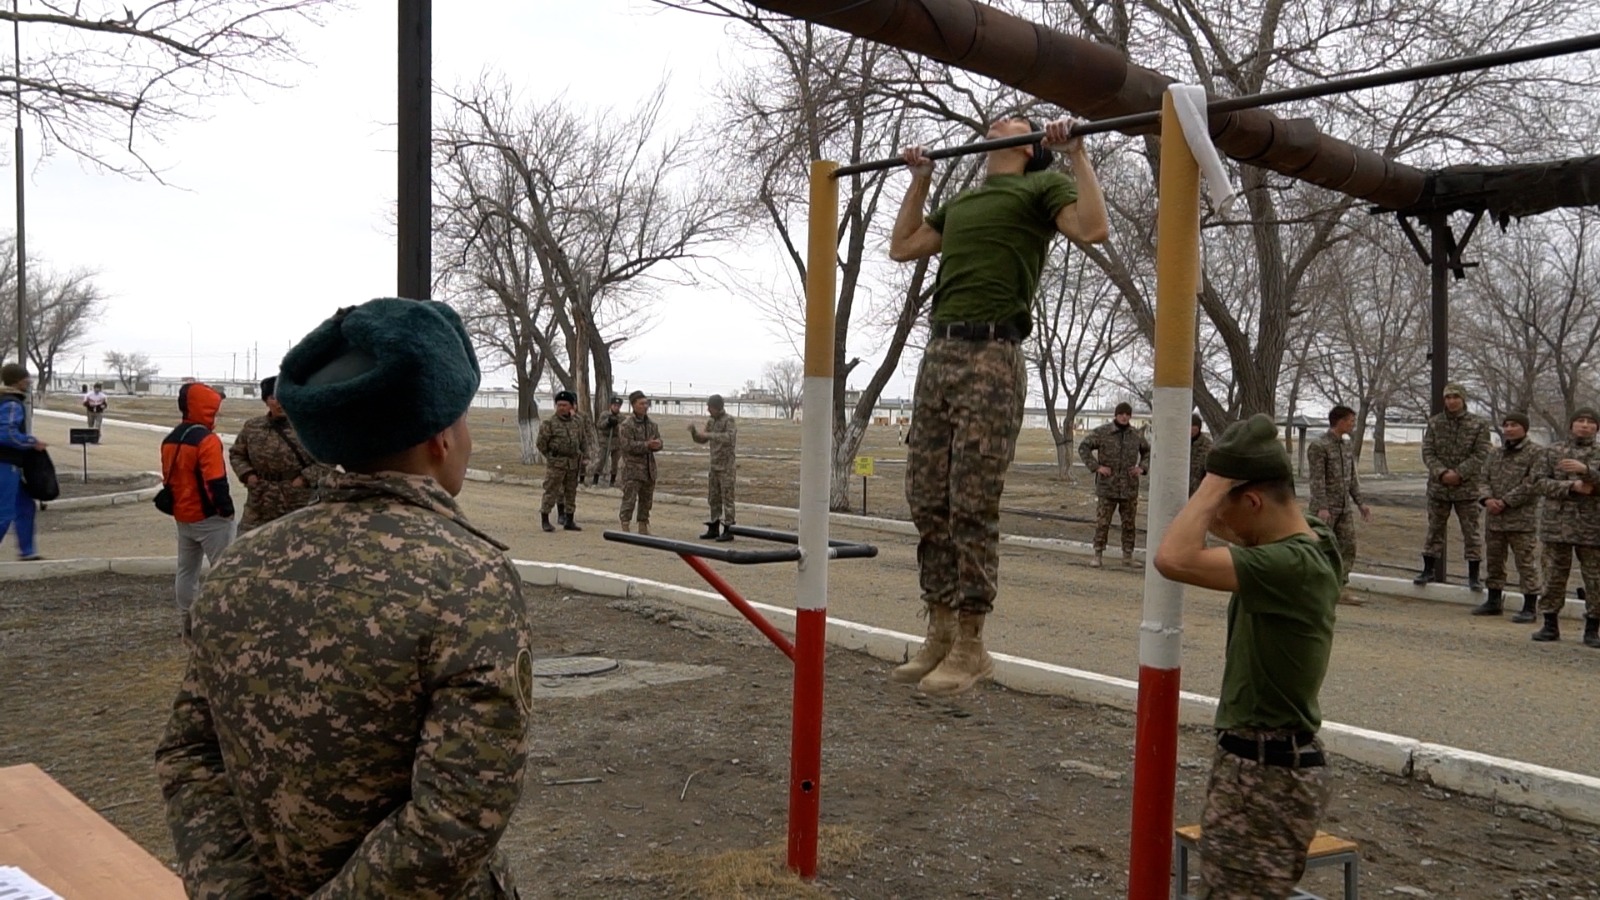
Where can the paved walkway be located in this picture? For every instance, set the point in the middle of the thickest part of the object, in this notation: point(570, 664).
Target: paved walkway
point(1426, 670)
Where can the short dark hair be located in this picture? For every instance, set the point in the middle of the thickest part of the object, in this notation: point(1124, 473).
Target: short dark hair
point(1194, 420)
point(1339, 412)
point(1279, 490)
point(269, 387)
point(1042, 156)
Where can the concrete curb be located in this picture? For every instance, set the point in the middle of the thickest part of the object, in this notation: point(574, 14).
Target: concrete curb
point(121, 498)
point(1566, 794)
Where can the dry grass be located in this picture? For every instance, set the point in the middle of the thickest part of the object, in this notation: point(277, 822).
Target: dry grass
point(760, 872)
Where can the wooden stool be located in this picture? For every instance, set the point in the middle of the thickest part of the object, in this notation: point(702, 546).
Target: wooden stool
point(1325, 850)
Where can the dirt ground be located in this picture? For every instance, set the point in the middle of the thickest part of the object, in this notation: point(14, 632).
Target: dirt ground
point(1001, 794)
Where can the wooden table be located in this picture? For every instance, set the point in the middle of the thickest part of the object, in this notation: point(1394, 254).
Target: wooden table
point(69, 848)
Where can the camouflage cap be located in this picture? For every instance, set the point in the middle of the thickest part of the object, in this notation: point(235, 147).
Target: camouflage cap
point(1584, 412)
point(714, 402)
point(1519, 418)
point(377, 379)
point(1454, 390)
point(1250, 451)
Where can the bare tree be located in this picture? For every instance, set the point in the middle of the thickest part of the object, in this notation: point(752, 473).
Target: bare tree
point(557, 233)
point(101, 78)
point(785, 382)
point(131, 369)
point(61, 311)
point(1077, 331)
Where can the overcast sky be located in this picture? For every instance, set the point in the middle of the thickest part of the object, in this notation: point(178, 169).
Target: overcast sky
point(278, 205)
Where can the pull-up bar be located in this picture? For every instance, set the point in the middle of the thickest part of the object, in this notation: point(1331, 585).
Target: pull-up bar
point(1563, 47)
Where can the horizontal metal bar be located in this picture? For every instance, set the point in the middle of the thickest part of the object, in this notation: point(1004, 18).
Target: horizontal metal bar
point(693, 548)
point(853, 551)
point(1436, 69)
point(857, 550)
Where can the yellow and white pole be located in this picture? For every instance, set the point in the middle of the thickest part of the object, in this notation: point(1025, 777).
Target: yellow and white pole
point(816, 455)
point(1161, 627)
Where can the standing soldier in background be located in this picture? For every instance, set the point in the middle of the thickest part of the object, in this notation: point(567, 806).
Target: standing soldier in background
point(641, 441)
point(722, 433)
point(1512, 504)
point(1118, 455)
point(610, 447)
point(1454, 448)
point(386, 758)
point(1571, 526)
point(1335, 486)
point(279, 475)
point(565, 441)
point(1199, 447)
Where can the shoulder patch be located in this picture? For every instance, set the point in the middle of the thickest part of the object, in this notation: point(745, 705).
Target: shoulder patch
point(525, 680)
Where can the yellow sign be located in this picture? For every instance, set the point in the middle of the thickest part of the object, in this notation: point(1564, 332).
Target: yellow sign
point(863, 465)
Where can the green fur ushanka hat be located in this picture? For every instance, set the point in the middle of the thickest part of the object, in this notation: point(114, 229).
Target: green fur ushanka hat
point(377, 379)
point(1250, 451)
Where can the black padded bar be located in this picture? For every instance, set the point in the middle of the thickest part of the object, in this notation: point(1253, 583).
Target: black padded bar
point(695, 548)
point(837, 549)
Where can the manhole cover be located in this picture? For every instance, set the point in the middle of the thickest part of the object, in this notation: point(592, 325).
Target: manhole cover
point(570, 666)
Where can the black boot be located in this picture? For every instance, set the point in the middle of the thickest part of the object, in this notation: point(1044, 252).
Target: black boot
point(1492, 605)
point(1530, 602)
point(713, 528)
point(1429, 564)
point(544, 522)
point(1473, 584)
point(568, 524)
point(725, 536)
point(613, 481)
point(1551, 630)
point(1591, 631)
point(595, 481)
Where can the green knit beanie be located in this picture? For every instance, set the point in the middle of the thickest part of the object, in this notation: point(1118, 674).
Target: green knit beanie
point(377, 379)
point(1250, 451)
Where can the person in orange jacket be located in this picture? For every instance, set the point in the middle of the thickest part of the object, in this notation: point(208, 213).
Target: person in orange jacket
point(194, 468)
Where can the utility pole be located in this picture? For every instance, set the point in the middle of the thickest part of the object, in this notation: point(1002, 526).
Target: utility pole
point(22, 231)
point(415, 199)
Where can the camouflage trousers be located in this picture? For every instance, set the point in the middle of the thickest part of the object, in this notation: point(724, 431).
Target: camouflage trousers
point(1468, 514)
point(615, 454)
point(1127, 510)
point(1524, 545)
point(1343, 524)
point(719, 495)
point(637, 493)
point(964, 425)
point(560, 486)
point(1558, 568)
point(1256, 826)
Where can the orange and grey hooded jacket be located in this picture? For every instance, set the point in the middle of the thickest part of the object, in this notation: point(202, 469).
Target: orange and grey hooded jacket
point(192, 462)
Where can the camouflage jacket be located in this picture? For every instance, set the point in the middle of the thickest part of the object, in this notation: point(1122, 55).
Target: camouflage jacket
point(1512, 475)
point(353, 718)
point(608, 433)
point(566, 443)
point(1199, 449)
point(722, 433)
point(1459, 442)
point(1334, 482)
point(1570, 518)
point(1121, 449)
point(269, 449)
point(638, 461)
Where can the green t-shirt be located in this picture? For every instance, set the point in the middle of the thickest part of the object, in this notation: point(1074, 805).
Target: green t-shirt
point(1280, 632)
point(995, 237)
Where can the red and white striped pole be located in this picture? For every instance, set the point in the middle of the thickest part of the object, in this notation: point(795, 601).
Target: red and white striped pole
point(816, 453)
point(1155, 760)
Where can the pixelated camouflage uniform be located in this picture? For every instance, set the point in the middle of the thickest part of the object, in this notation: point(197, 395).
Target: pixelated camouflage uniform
point(966, 414)
point(1120, 449)
point(268, 448)
point(722, 433)
point(610, 447)
point(567, 444)
point(353, 718)
point(1336, 487)
point(1199, 449)
point(1257, 823)
point(638, 467)
point(1458, 441)
point(1511, 475)
point(1570, 525)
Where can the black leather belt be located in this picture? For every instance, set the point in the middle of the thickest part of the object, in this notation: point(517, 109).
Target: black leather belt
point(978, 331)
point(1299, 752)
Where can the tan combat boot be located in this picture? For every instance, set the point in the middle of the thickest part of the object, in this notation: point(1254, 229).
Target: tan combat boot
point(941, 634)
point(1097, 562)
point(626, 526)
point(965, 664)
point(644, 527)
point(1127, 561)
